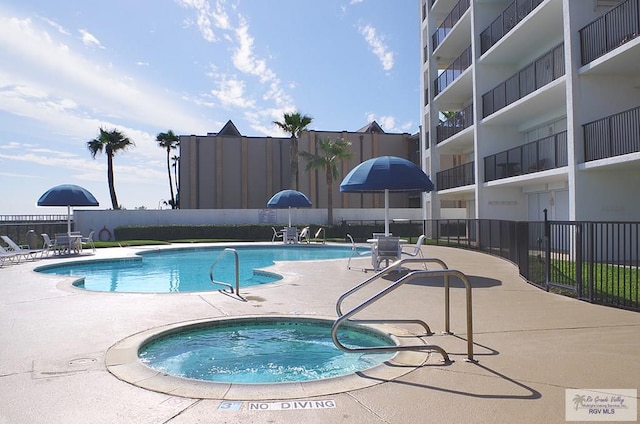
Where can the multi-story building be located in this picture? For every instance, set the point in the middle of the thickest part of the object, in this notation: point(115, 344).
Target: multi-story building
point(532, 105)
point(226, 170)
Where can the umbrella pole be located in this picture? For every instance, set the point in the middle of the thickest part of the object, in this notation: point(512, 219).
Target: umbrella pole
point(68, 220)
point(289, 216)
point(386, 212)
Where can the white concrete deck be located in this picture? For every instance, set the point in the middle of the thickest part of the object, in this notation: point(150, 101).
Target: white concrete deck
point(530, 346)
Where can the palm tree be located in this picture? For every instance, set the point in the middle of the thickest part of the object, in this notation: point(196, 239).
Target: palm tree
point(169, 141)
point(329, 154)
point(294, 123)
point(175, 164)
point(111, 142)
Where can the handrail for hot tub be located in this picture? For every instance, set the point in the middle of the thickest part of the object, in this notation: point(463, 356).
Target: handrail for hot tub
point(446, 273)
point(222, 283)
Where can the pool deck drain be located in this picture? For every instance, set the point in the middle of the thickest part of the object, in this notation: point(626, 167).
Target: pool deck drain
point(531, 346)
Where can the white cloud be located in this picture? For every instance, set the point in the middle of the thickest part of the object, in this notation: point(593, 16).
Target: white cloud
point(377, 46)
point(231, 93)
point(204, 17)
point(388, 123)
point(57, 26)
point(89, 39)
point(45, 74)
point(244, 58)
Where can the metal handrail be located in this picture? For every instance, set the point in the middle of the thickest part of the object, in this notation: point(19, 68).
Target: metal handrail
point(222, 283)
point(446, 273)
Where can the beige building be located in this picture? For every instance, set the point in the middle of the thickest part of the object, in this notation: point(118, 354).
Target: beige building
point(227, 170)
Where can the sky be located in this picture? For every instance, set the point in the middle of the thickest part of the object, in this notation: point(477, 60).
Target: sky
point(143, 67)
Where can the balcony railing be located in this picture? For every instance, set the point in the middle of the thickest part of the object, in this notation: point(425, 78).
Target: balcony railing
point(452, 126)
point(509, 18)
point(614, 135)
point(540, 155)
point(541, 72)
point(449, 22)
point(458, 176)
point(454, 70)
point(613, 29)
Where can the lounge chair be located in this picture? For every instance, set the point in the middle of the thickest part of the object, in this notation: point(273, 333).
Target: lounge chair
point(276, 235)
point(24, 251)
point(355, 252)
point(6, 255)
point(305, 235)
point(417, 250)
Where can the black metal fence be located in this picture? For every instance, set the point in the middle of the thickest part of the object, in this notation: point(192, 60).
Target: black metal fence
point(542, 71)
point(460, 121)
point(457, 67)
point(515, 12)
point(613, 135)
point(598, 262)
point(613, 29)
point(539, 155)
point(449, 22)
point(457, 176)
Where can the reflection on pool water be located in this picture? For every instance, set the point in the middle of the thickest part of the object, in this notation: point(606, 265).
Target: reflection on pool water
point(272, 351)
point(187, 270)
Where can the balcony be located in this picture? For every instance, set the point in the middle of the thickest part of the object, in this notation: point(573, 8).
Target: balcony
point(508, 19)
point(540, 155)
point(541, 72)
point(614, 135)
point(613, 29)
point(458, 176)
point(449, 22)
point(461, 120)
point(454, 70)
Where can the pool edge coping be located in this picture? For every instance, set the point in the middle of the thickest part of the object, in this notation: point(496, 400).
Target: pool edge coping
point(122, 361)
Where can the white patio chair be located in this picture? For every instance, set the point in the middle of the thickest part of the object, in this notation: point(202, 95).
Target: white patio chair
point(49, 245)
point(416, 250)
point(305, 235)
point(88, 241)
point(276, 235)
point(355, 252)
point(386, 249)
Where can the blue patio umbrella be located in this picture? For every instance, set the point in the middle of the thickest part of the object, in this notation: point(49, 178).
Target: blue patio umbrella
point(287, 199)
point(384, 174)
point(67, 195)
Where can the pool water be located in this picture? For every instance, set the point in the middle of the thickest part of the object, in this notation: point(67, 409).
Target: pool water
point(263, 352)
point(187, 270)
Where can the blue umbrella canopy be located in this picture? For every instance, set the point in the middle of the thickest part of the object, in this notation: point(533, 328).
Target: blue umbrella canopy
point(385, 174)
point(289, 199)
point(67, 195)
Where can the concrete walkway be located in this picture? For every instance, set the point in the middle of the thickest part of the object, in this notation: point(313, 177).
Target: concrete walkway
point(530, 347)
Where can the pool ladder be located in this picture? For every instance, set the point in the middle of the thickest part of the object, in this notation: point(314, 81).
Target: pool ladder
point(410, 276)
point(222, 283)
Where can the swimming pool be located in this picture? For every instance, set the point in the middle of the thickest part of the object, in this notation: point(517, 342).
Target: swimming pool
point(262, 351)
point(183, 270)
